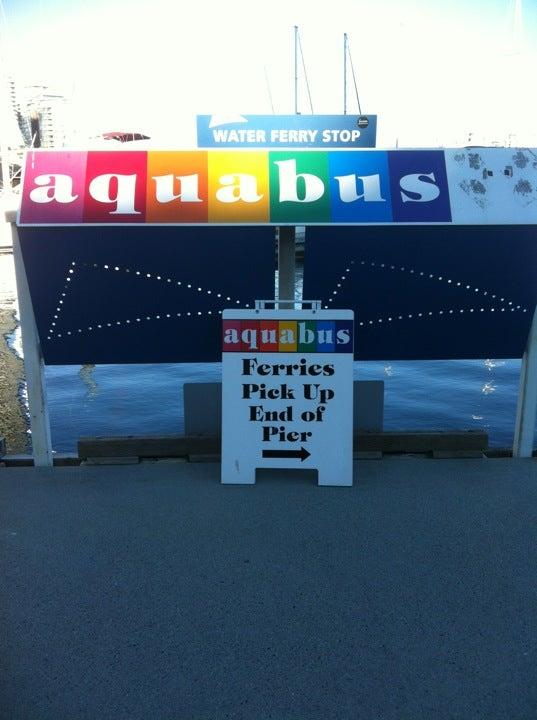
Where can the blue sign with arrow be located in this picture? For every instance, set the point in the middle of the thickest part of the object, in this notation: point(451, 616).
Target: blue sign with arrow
point(287, 131)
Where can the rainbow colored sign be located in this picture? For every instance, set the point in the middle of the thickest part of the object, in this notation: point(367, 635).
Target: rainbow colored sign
point(288, 336)
point(232, 187)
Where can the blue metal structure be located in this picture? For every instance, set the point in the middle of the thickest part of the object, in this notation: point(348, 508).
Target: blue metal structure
point(141, 295)
point(429, 292)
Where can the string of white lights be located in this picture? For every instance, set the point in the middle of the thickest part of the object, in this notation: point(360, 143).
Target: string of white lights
point(128, 322)
point(136, 273)
point(428, 276)
point(446, 313)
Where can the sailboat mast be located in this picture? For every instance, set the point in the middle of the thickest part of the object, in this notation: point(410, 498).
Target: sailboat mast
point(296, 69)
point(344, 73)
point(5, 105)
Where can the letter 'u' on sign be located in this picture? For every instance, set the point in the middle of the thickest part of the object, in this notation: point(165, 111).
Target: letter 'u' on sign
point(239, 186)
point(177, 187)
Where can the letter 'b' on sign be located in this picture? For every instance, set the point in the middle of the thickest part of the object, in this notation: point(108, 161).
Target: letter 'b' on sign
point(299, 186)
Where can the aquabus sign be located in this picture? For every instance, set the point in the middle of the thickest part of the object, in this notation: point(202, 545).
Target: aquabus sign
point(232, 187)
point(287, 393)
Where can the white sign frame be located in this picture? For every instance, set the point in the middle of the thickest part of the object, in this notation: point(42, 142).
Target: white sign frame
point(291, 410)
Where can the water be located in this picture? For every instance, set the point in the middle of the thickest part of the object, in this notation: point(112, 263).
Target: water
point(449, 395)
point(148, 399)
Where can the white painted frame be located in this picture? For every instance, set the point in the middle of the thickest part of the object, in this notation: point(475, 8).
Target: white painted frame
point(527, 397)
point(327, 442)
point(34, 366)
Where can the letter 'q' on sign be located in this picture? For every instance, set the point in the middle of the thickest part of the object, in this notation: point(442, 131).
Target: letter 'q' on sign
point(275, 187)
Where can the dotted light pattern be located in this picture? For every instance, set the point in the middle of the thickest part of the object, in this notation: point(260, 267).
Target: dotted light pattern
point(505, 305)
point(52, 332)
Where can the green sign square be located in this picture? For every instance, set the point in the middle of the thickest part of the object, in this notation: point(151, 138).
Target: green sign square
point(299, 187)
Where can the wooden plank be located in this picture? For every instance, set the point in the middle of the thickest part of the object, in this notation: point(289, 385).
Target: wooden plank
point(214, 458)
point(367, 455)
point(499, 453)
point(25, 460)
point(143, 447)
point(18, 460)
point(457, 454)
point(123, 460)
point(65, 460)
point(421, 442)
point(184, 446)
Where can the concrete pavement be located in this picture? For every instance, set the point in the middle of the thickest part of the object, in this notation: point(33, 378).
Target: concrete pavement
point(152, 591)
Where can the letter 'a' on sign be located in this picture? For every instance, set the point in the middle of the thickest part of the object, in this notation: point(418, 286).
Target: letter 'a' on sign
point(41, 165)
point(239, 187)
point(287, 393)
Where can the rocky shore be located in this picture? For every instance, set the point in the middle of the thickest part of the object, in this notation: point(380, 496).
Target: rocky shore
point(13, 419)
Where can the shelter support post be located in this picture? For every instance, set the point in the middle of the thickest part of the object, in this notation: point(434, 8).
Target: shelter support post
point(527, 397)
point(286, 264)
point(33, 363)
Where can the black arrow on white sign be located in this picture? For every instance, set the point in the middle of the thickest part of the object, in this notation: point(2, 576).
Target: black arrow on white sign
point(291, 454)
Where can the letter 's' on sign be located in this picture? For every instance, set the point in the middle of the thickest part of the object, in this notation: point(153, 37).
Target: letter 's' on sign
point(419, 188)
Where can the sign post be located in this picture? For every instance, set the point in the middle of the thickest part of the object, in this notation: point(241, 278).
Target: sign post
point(287, 392)
point(34, 367)
point(527, 397)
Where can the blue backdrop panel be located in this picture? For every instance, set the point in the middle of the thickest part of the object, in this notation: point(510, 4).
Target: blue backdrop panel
point(428, 293)
point(142, 295)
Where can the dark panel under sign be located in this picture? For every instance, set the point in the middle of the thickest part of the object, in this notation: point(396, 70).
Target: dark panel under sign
point(142, 295)
point(428, 293)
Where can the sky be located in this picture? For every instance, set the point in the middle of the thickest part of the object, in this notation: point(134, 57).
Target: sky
point(436, 72)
